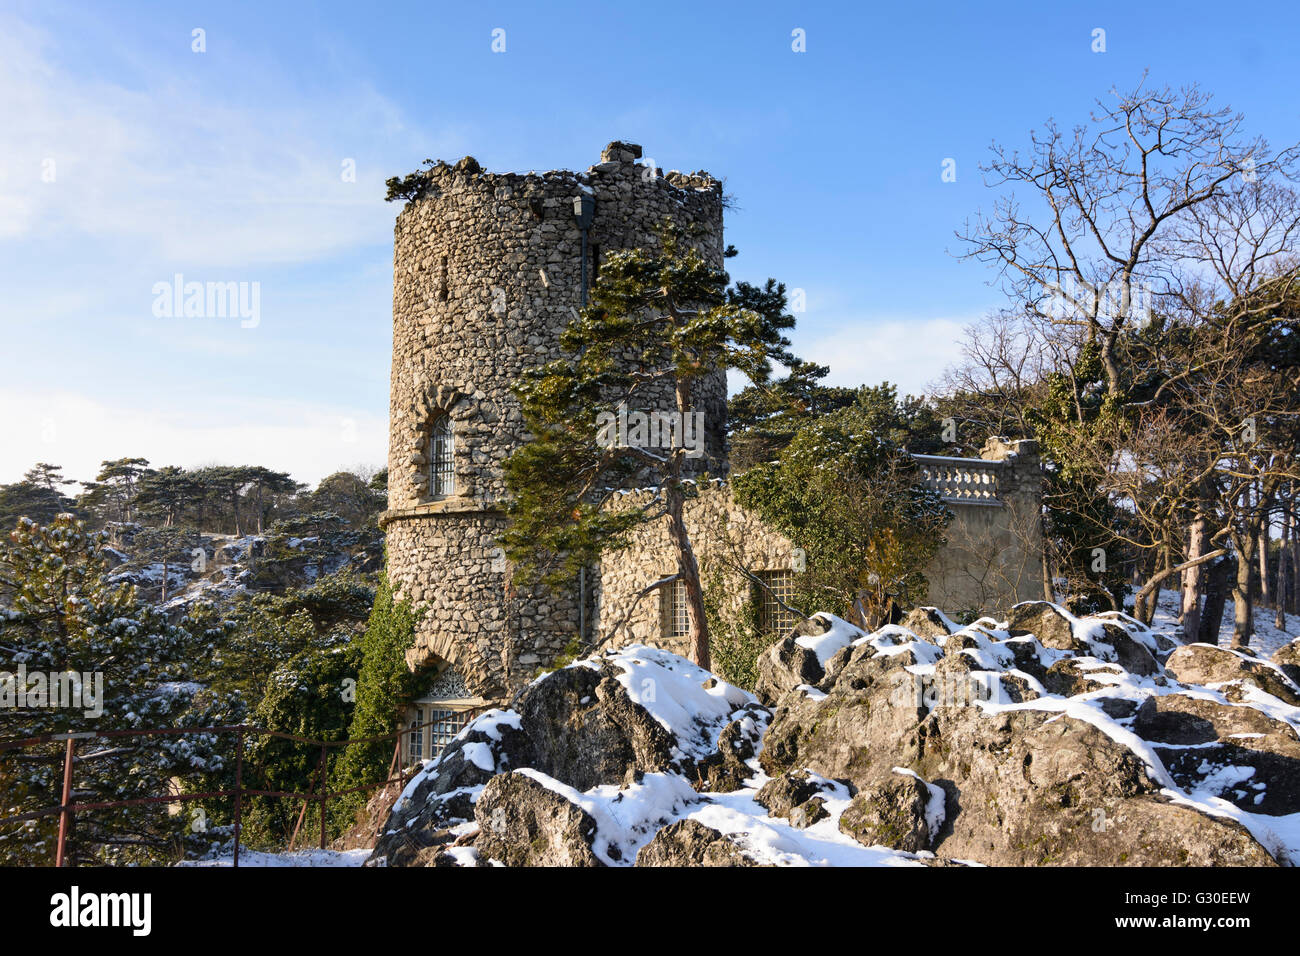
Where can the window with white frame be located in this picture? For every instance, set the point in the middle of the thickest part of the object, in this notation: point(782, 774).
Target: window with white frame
point(442, 474)
point(444, 726)
point(415, 748)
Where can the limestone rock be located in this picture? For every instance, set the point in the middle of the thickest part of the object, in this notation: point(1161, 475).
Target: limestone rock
point(926, 622)
point(1208, 664)
point(522, 823)
point(890, 813)
point(1045, 622)
point(783, 667)
point(691, 843)
point(1287, 657)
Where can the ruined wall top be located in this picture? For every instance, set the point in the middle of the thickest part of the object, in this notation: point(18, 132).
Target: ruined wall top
point(487, 271)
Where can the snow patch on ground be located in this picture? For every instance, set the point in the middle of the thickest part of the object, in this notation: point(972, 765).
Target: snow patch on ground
point(296, 858)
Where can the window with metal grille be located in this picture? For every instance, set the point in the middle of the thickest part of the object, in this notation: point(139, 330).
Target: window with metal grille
point(444, 726)
point(776, 586)
point(672, 610)
point(415, 749)
point(442, 476)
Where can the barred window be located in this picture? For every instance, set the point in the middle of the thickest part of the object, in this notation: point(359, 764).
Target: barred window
point(415, 749)
point(672, 610)
point(442, 476)
point(444, 726)
point(776, 586)
point(431, 729)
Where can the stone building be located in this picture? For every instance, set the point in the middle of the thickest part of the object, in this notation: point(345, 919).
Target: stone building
point(487, 270)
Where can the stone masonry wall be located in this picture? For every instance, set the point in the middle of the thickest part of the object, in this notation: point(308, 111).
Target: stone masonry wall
point(486, 274)
point(725, 538)
point(993, 555)
point(991, 560)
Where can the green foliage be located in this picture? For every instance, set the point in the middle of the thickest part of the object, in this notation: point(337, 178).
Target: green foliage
point(1078, 519)
point(658, 323)
point(37, 496)
point(763, 419)
point(310, 695)
point(737, 640)
point(267, 629)
point(847, 492)
point(384, 682)
point(60, 615)
point(347, 495)
point(410, 187)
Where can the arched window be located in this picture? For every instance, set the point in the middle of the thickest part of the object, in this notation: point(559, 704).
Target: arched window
point(442, 476)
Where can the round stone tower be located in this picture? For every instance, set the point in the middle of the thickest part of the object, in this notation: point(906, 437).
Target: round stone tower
point(487, 270)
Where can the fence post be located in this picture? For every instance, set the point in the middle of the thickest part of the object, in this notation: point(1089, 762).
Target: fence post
point(65, 803)
point(324, 794)
point(239, 787)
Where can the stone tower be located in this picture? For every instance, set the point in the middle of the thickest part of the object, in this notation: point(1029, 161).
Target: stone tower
point(487, 270)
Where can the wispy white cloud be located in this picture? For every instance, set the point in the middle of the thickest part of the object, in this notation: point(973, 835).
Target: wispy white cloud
point(170, 170)
point(78, 431)
point(910, 353)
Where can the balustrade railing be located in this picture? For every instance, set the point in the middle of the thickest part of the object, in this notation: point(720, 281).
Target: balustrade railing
point(971, 481)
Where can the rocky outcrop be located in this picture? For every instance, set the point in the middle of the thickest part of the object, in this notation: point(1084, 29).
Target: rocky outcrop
point(522, 823)
point(1207, 664)
point(1040, 786)
point(691, 843)
point(787, 664)
point(981, 744)
point(1287, 658)
point(891, 813)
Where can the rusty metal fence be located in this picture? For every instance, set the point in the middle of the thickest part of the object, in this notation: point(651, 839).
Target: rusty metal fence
point(67, 807)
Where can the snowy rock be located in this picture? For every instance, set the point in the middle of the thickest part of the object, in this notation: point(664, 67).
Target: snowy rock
point(891, 813)
point(781, 795)
point(1074, 751)
point(929, 623)
point(1287, 657)
point(1208, 664)
point(803, 657)
point(586, 730)
point(524, 823)
point(1047, 622)
point(691, 843)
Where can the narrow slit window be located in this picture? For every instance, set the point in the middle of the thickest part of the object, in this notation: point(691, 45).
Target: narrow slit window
point(777, 588)
point(442, 475)
point(672, 610)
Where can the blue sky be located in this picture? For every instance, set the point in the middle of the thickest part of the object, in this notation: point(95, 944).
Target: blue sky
point(126, 158)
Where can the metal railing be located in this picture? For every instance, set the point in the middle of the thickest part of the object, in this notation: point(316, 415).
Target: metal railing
point(971, 481)
point(320, 794)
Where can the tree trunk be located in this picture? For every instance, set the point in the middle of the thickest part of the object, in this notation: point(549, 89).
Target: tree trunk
point(1242, 621)
point(1216, 593)
point(1295, 563)
point(1264, 591)
point(688, 567)
point(1049, 591)
point(1280, 598)
point(1192, 579)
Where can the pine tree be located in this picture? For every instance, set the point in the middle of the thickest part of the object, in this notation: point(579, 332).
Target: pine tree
point(60, 615)
point(660, 321)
